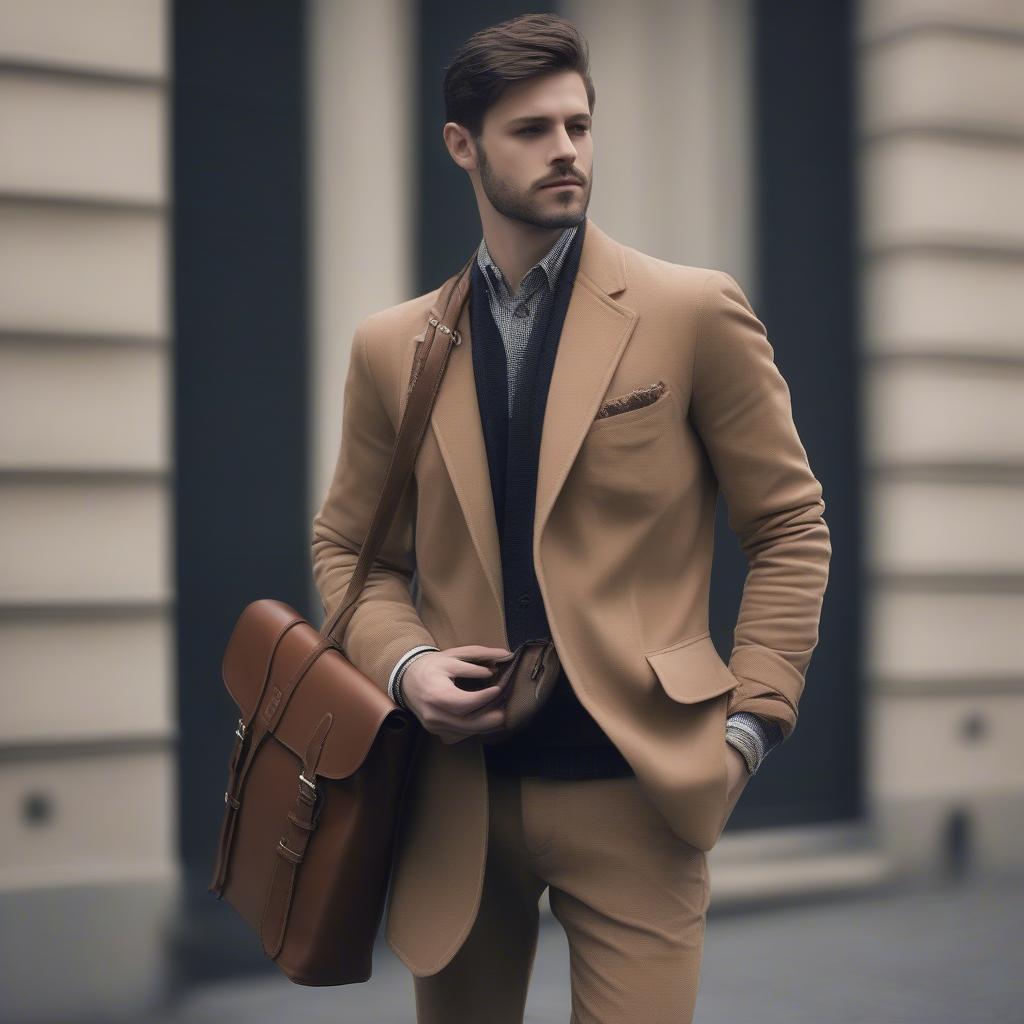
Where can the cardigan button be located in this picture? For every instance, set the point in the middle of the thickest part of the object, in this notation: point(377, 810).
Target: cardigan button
point(524, 599)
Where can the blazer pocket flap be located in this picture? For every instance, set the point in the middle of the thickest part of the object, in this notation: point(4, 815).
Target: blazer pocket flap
point(692, 671)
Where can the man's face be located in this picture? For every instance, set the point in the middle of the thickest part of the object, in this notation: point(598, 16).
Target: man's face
point(537, 133)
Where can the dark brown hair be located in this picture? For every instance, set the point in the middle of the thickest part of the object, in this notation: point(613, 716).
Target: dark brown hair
point(494, 58)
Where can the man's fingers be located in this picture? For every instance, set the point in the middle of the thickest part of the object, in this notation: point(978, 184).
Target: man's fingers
point(478, 652)
point(486, 716)
point(465, 702)
point(466, 669)
point(475, 661)
point(451, 711)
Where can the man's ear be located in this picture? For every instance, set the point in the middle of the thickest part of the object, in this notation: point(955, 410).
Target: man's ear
point(460, 145)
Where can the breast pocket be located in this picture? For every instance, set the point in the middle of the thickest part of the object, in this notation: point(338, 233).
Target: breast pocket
point(633, 407)
point(633, 462)
point(637, 398)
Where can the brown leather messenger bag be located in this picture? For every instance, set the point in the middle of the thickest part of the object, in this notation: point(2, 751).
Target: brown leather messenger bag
point(321, 755)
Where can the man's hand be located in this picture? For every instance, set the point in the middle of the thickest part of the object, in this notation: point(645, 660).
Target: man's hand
point(738, 775)
point(444, 708)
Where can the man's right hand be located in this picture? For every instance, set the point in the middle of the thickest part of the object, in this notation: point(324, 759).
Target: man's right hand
point(443, 707)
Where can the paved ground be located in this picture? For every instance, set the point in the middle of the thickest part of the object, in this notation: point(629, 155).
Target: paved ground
point(931, 956)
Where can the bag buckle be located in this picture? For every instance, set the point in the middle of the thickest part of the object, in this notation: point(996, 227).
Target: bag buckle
point(311, 784)
point(434, 322)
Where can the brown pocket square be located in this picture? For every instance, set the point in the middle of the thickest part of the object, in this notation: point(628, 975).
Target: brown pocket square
point(635, 399)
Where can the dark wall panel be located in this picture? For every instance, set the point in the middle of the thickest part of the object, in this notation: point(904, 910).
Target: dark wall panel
point(239, 145)
point(804, 116)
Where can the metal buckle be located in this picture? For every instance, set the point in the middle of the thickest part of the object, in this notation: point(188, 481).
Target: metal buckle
point(434, 322)
point(312, 785)
point(240, 729)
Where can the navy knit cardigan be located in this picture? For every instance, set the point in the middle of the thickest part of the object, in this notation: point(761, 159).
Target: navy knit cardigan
point(563, 740)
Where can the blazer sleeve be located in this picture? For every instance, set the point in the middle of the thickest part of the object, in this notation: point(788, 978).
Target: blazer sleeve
point(385, 624)
point(741, 408)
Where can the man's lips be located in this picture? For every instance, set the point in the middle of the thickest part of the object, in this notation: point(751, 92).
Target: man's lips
point(564, 184)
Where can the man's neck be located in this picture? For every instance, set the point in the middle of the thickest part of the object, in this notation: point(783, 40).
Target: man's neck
point(515, 248)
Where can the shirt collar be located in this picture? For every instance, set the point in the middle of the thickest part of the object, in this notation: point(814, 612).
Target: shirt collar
point(551, 263)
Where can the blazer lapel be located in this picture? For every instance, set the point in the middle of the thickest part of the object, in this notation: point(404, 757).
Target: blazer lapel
point(594, 336)
point(459, 432)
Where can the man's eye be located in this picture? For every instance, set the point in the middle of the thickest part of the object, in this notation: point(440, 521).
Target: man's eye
point(536, 128)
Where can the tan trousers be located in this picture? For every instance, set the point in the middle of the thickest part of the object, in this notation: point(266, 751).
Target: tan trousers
point(631, 895)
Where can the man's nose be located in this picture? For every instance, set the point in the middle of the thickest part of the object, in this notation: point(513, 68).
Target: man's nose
point(566, 151)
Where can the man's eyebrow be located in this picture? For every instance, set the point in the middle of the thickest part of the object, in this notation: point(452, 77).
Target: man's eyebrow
point(541, 119)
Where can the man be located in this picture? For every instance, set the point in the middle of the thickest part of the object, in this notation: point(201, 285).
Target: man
point(597, 401)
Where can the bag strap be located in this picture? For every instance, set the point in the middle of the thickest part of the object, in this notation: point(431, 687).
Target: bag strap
point(428, 371)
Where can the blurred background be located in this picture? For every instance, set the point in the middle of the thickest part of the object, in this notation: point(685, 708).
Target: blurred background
point(198, 202)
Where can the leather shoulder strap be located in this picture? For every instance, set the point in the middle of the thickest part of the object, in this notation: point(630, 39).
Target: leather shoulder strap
point(428, 373)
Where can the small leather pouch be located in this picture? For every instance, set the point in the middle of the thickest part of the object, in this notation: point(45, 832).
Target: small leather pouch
point(527, 677)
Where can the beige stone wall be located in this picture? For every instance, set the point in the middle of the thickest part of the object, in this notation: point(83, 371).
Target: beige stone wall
point(941, 167)
point(87, 801)
point(672, 159)
point(363, 175)
point(86, 591)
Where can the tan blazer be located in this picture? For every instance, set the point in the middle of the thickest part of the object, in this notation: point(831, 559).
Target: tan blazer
point(623, 538)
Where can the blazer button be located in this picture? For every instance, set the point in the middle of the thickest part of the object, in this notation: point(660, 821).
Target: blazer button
point(524, 599)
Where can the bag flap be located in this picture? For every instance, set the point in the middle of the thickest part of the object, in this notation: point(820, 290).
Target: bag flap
point(692, 670)
point(270, 632)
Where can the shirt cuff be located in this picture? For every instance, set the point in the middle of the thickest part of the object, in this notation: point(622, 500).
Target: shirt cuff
point(753, 735)
point(402, 664)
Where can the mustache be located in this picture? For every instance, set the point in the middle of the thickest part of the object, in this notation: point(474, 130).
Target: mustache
point(562, 177)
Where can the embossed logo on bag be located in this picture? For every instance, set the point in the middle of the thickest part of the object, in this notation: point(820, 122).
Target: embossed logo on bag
point(271, 708)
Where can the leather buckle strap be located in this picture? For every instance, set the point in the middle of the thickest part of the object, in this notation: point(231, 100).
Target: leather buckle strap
point(292, 846)
point(293, 855)
point(304, 816)
point(312, 789)
point(231, 799)
point(307, 826)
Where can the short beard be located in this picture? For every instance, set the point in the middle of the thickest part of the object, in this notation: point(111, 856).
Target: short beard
point(511, 203)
